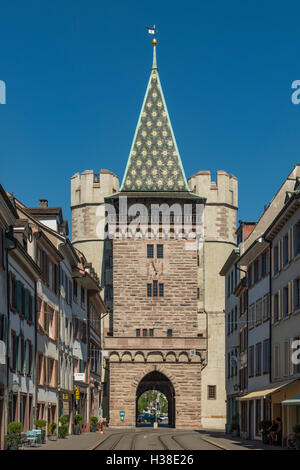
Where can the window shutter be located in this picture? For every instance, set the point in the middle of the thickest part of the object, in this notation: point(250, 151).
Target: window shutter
point(10, 290)
point(18, 344)
point(280, 304)
point(291, 245)
point(45, 370)
point(272, 309)
point(30, 358)
point(46, 318)
point(290, 309)
point(19, 297)
point(291, 357)
point(4, 328)
point(26, 357)
point(26, 298)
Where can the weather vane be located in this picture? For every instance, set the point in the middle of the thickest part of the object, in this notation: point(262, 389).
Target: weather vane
point(154, 31)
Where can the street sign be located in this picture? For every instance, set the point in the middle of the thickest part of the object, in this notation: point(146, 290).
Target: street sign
point(79, 376)
point(122, 414)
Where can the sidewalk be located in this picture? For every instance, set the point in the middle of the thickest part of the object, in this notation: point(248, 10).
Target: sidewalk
point(227, 442)
point(85, 441)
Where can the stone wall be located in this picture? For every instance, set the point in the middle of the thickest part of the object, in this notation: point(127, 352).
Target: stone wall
point(185, 378)
point(177, 270)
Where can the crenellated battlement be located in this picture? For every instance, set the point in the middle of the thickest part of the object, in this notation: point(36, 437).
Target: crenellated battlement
point(91, 188)
point(222, 191)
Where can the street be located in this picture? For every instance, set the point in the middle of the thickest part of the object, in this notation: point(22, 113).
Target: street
point(160, 439)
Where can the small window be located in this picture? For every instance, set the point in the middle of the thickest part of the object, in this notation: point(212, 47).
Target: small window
point(161, 290)
point(169, 332)
point(198, 293)
point(144, 332)
point(160, 251)
point(285, 250)
point(138, 332)
point(96, 178)
point(211, 392)
point(150, 251)
point(110, 262)
point(151, 332)
point(149, 290)
point(154, 288)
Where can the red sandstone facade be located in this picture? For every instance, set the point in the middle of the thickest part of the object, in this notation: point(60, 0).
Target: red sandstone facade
point(132, 357)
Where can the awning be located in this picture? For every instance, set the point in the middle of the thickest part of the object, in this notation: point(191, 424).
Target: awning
point(265, 391)
point(295, 401)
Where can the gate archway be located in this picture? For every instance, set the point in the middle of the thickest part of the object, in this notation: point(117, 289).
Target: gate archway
point(157, 381)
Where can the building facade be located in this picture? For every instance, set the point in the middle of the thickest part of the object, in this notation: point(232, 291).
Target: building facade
point(268, 309)
point(166, 323)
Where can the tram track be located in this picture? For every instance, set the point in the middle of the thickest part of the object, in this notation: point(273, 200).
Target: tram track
point(164, 442)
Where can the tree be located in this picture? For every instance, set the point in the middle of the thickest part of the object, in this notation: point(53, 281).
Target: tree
point(148, 400)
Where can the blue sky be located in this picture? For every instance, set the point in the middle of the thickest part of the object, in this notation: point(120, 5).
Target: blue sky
point(76, 73)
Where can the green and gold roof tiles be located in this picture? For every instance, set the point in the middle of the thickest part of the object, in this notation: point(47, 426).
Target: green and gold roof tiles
point(154, 162)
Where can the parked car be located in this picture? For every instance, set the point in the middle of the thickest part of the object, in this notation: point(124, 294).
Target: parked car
point(147, 418)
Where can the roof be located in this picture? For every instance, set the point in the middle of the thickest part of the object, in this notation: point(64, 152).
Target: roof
point(8, 202)
point(46, 212)
point(158, 194)
point(232, 258)
point(154, 163)
point(291, 204)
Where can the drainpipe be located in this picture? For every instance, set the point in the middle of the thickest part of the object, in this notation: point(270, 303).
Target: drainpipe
point(270, 306)
point(204, 309)
point(34, 375)
point(10, 244)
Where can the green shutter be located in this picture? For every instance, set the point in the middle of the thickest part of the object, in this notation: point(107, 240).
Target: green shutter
point(26, 298)
point(19, 297)
point(10, 290)
point(26, 357)
point(18, 344)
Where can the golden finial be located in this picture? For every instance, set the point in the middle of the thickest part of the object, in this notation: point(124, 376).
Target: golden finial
point(154, 42)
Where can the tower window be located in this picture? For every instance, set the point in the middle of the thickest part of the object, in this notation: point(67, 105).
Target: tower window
point(150, 251)
point(169, 332)
point(160, 251)
point(149, 290)
point(96, 178)
point(211, 392)
point(151, 332)
point(154, 288)
point(161, 290)
point(144, 332)
point(138, 332)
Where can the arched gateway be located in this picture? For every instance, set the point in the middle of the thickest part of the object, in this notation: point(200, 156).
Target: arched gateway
point(155, 380)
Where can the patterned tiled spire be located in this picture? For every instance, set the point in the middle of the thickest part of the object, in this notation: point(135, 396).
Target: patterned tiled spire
point(154, 162)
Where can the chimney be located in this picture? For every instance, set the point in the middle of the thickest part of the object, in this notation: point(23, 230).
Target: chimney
point(43, 203)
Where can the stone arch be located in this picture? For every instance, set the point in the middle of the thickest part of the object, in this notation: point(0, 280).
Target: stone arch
point(155, 356)
point(139, 357)
point(154, 379)
point(160, 368)
point(114, 357)
point(126, 356)
point(183, 357)
point(171, 357)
